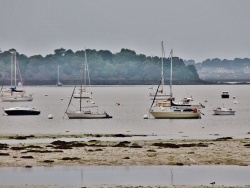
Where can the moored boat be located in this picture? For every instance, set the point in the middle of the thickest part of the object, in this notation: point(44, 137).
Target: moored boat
point(77, 114)
point(16, 98)
point(168, 110)
point(225, 94)
point(175, 113)
point(84, 112)
point(21, 111)
point(13, 94)
point(223, 111)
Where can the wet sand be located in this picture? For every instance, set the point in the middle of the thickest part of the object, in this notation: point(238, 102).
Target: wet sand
point(222, 151)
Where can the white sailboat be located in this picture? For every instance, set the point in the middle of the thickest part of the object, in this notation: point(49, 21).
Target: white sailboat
point(161, 93)
point(58, 73)
point(168, 110)
point(82, 92)
point(84, 112)
point(13, 94)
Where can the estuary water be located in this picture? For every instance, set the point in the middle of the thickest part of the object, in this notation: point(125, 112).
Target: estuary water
point(128, 116)
point(128, 119)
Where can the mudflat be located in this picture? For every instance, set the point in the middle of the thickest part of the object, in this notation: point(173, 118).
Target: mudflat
point(221, 151)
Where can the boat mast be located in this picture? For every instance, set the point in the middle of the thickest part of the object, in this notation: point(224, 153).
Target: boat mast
point(81, 88)
point(15, 66)
point(162, 68)
point(12, 67)
point(58, 74)
point(85, 70)
point(171, 73)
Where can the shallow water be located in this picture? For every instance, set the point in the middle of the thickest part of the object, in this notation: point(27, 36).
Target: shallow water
point(136, 175)
point(128, 117)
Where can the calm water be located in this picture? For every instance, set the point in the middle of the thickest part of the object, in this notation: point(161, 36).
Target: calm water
point(136, 175)
point(128, 117)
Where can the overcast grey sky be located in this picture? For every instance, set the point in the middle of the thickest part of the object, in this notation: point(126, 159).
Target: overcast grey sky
point(195, 29)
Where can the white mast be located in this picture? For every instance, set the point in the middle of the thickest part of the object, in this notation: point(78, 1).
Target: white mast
point(15, 67)
point(85, 70)
point(12, 67)
point(162, 67)
point(171, 72)
point(58, 75)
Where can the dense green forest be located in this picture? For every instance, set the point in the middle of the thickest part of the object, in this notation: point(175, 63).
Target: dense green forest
point(124, 67)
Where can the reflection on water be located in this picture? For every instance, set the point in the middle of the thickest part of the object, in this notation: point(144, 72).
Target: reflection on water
point(136, 175)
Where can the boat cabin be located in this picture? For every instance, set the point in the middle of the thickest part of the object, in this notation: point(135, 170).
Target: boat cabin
point(225, 94)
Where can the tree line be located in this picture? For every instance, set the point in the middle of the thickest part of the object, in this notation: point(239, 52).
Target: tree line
point(124, 67)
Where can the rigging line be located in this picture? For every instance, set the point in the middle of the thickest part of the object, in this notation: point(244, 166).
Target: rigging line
point(71, 96)
point(156, 94)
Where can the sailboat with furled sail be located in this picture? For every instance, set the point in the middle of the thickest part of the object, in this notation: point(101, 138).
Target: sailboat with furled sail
point(170, 110)
point(14, 94)
point(160, 94)
point(84, 112)
point(83, 92)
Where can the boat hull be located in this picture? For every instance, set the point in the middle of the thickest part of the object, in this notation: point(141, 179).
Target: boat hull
point(225, 96)
point(19, 112)
point(16, 98)
point(82, 115)
point(175, 115)
point(224, 112)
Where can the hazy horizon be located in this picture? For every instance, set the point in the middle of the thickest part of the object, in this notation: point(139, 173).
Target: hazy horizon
point(194, 29)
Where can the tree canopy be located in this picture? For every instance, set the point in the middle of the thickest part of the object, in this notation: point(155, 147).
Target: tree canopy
point(104, 67)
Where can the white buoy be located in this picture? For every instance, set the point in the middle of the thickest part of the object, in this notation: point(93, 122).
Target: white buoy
point(236, 102)
point(61, 98)
point(234, 97)
point(93, 102)
point(50, 116)
point(145, 116)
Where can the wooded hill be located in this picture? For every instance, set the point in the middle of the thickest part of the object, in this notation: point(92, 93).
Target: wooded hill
point(124, 67)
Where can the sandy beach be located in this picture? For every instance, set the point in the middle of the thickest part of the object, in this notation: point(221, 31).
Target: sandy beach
point(221, 151)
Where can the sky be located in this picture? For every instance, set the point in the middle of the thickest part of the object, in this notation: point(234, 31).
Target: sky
point(194, 29)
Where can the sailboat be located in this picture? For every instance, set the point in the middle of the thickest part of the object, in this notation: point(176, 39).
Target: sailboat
point(160, 95)
point(14, 94)
point(84, 112)
point(171, 111)
point(82, 92)
point(58, 73)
